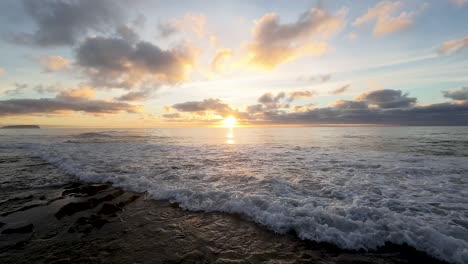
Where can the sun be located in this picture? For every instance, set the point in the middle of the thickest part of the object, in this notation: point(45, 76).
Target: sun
point(229, 121)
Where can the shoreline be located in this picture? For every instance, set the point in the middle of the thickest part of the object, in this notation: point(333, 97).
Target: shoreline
point(98, 223)
point(81, 222)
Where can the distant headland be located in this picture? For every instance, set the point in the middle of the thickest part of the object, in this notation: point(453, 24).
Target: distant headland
point(21, 127)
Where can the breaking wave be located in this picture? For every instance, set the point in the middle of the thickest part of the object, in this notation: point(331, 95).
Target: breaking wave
point(353, 198)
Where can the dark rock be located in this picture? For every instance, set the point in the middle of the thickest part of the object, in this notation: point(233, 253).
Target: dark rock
point(93, 220)
point(88, 190)
point(72, 208)
point(108, 209)
point(175, 205)
point(128, 201)
point(23, 229)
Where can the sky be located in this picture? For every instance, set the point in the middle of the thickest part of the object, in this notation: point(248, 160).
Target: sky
point(123, 63)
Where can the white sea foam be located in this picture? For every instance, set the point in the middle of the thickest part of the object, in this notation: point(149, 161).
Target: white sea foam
point(353, 198)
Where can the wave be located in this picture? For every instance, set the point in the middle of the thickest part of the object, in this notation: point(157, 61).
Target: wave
point(356, 201)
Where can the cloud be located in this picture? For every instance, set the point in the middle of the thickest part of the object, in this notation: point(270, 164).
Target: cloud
point(117, 63)
point(166, 29)
point(61, 22)
point(173, 115)
point(273, 102)
point(75, 100)
point(387, 98)
point(42, 89)
point(214, 105)
point(2, 71)
point(191, 22)
point(269, 102)
point(453, 46)
point(431, 115)
point(301, 94)
point(54, 63)
point(341, 89)
point(127, 33)
point(458, 3)
point(386, 22)
point(321, 78)
point(345, 111)
point(348, 104)
point(219, 61)
point(140, 95)
point(275, 43)
point(19, 88)
point(84, 92)
point(459, 95)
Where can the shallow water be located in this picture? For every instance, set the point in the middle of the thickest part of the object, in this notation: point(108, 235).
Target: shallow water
point(356, 187)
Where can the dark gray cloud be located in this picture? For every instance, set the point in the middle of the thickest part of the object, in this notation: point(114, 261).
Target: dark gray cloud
point(53, 105)
point(350, 111)
point(79, 100)
point(270, 101)
point(460, 94)
point(61, 22)
point(215, 105)
point(341, 89)
point(433, 115)
point(348, 104)
point(166, 29)
point(127, 33)
point(116, 62)
point(387, 98)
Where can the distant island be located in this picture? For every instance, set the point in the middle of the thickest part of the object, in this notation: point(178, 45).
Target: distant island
point(21, 127)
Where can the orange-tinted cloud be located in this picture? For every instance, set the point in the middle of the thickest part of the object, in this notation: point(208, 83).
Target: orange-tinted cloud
point(54, 63)
point(219, 62)
point(341, 89)
point(453, 46)
point(386, 22)
point(84, 92)
point(275, 43)
point(191, 22)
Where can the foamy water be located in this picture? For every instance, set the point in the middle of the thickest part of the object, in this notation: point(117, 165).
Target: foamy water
point(355, 187)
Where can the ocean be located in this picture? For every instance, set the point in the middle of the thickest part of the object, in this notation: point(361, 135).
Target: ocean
point(355, 187)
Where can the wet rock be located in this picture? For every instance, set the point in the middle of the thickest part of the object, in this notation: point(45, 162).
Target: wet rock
point(193, 257)
point(74, 207)
point(128, 201)
point(109, 209)
point(87, 190)
point(89, 222)
point(22, 230)
point(24, 208)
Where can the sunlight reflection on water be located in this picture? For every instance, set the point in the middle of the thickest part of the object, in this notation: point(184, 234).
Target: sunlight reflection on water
point(230, 136)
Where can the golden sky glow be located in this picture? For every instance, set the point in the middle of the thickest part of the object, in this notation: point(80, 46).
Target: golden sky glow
point(141, 64)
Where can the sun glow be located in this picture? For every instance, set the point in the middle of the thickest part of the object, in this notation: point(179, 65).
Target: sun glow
point(229, 121)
